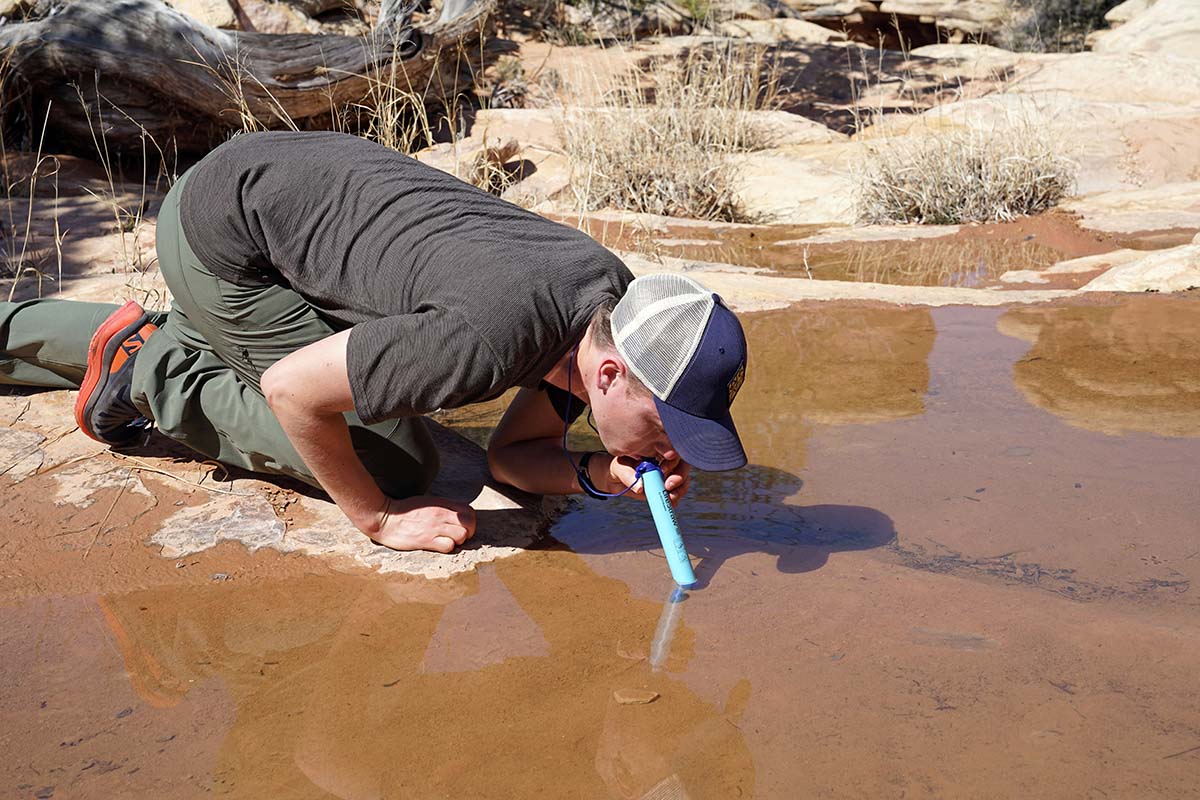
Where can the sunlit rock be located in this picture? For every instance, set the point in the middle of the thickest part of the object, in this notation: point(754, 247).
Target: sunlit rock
point(1166, 27)
point(1176, 269)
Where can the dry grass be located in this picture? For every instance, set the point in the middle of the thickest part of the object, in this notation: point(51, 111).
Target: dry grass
point(21, 253)
point(991, 173)
point(662, 138)
point(128, 208)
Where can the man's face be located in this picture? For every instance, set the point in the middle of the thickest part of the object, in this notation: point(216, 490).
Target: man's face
point(628, 421)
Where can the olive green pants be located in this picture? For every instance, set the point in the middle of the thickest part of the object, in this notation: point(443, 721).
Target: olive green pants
point(198, 375)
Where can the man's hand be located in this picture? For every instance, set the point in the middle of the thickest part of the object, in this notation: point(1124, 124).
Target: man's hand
point(309, 391)
point(525, 452)
point(425, 523)
point(620, 472)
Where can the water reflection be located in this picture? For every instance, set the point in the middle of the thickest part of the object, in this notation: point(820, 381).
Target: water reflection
point(973, 257)
point(664, 634)
point(810, 364)
point(1134, 366)
point(952, 261)
point(365, 688)
point(835, 365)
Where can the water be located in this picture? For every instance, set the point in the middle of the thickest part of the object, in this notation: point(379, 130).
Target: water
point(974, 256)
point(961, 563)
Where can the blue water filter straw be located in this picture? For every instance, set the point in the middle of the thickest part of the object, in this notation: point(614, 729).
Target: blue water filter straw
point(668, 526)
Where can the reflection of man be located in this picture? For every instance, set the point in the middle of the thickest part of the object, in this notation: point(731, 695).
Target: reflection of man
point(329, 291)
point(331, 693)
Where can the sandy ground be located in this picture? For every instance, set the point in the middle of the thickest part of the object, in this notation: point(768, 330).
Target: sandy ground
point(960, 564)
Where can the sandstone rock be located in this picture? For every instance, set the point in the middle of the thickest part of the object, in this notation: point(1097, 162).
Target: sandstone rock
point(1113, 77)
point(1074, 266)
point(508, 520)
point(1168, 27)
point(807, 184)
point(249, 520)
point(1089, 263)
point(742, 9)
point(1126, 11)
point(550, 180)
point(1023, 276)
point(273, 17)
point(770, 31)
point(1175, 269)
point(1163, 208)
point(973, 61)
point(831, 8)
point(542, 171)
point(896, 22)
point(78, 484)
point(532, 127)
point(784, 129)
point(635, 697)
point(970, 16)
point(217, 13)
point(21, 454)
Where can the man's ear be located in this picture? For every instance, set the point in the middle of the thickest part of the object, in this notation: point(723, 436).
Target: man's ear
point(610, 369)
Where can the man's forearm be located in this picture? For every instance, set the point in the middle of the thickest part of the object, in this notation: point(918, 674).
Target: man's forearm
point(541, 468)
point(323, 441)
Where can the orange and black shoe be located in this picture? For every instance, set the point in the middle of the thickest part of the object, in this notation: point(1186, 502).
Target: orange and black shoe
point(104, 410)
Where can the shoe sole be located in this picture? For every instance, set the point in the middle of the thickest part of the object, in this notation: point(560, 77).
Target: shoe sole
point(106, 343)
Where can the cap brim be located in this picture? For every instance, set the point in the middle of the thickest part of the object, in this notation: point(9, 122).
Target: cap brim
point(711, 445)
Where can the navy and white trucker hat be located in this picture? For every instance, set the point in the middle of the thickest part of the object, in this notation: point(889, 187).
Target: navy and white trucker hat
point(682, 341)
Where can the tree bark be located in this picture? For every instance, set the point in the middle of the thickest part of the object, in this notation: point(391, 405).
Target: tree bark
point(147, 69)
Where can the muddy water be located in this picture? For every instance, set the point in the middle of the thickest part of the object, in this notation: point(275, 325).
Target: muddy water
point(962, 563)
point(974, 256)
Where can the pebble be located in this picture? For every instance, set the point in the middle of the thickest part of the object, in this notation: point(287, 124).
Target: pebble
point(634, 697)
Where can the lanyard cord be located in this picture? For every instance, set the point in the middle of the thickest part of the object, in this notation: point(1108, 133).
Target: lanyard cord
point(642, 467)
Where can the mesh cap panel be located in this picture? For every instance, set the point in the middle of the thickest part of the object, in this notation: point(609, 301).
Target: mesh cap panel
point(657, 326)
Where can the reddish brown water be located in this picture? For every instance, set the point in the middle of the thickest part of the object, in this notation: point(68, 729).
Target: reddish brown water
point(959, 565)
point(975, 256)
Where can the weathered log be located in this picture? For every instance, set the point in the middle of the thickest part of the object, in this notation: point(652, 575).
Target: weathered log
point(179, 80)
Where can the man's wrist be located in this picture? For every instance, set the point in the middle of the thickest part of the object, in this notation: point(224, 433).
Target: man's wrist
point(601, 460)
point(586, 476)
point(370, 517)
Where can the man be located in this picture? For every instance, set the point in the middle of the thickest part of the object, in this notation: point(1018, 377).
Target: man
point(328, 291)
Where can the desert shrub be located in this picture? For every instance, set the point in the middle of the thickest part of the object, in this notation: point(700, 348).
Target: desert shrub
point(969, 174)
point(661, 140)
point(1053, 25)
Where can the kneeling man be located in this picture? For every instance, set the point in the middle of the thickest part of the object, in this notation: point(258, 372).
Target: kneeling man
point(328, 291)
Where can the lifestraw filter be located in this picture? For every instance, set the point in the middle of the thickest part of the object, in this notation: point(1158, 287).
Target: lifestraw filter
point(668, 526)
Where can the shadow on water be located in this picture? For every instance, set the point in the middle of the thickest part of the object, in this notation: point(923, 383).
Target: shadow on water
point(730, 514)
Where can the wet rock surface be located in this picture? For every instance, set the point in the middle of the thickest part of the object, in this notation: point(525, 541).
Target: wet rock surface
point(969, 523)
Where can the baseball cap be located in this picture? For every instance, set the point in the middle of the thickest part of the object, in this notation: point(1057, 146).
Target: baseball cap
point(687, 347)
